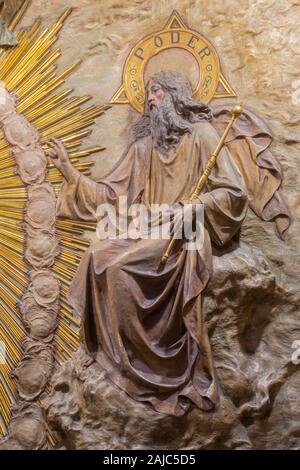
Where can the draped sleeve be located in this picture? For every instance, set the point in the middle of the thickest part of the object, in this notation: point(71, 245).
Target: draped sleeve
point(225, 201)
point(249, 144)
point(80, 196)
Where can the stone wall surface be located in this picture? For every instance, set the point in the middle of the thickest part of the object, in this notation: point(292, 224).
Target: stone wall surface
point(9, 8)
point(252, 304)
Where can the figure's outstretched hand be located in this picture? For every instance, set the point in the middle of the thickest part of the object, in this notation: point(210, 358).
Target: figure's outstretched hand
point(60, 157)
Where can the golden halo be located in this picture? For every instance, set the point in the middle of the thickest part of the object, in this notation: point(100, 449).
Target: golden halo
point(176, 36)
point(174, 59)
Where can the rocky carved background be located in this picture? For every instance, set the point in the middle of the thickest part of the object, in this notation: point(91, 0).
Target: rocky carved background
point(252, 304)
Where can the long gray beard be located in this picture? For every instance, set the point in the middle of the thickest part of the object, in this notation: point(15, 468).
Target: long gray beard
point(167, 126)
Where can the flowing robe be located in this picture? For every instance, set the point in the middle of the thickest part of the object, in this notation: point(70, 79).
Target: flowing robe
point(145, 326)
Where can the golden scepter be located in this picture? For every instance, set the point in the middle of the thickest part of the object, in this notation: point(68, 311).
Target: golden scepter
point(235, 113)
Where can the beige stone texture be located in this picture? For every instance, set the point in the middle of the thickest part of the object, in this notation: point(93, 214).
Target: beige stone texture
point(253, 317)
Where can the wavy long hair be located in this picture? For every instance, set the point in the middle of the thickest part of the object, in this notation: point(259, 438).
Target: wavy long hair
point(176, 114)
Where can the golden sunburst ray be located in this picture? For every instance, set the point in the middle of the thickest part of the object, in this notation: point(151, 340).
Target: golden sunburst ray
point(29, 71)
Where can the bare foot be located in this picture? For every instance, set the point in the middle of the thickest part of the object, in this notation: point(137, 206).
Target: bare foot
point(88, 361)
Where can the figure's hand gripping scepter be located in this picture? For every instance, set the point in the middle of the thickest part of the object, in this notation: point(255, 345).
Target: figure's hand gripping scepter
point(235, 113)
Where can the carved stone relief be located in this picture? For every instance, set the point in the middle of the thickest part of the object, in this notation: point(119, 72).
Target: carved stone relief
point(40, 305)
